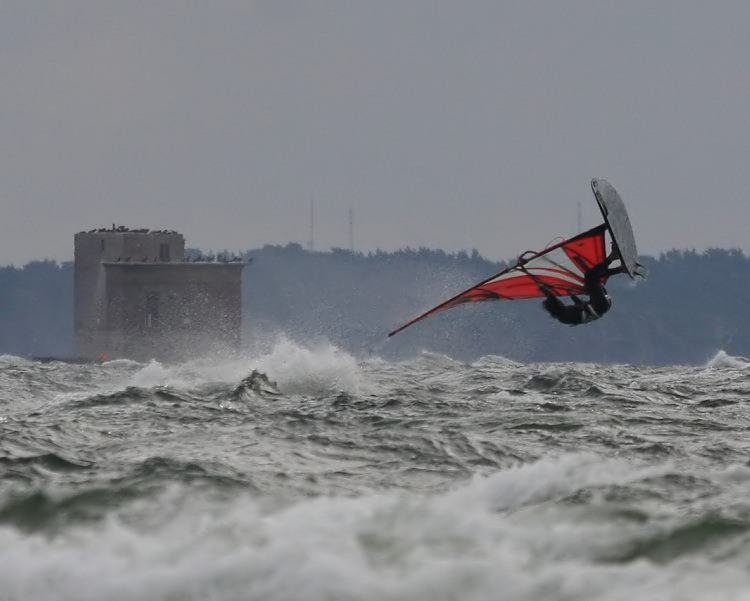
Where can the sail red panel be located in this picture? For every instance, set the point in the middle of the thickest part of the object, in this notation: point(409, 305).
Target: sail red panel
point(560, 267)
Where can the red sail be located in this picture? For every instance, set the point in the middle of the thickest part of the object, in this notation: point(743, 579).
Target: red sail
point(560, 267)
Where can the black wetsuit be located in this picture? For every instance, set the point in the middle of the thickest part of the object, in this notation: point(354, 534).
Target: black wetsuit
point(583, 311)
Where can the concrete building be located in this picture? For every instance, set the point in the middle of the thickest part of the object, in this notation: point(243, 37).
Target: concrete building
point(137, 297)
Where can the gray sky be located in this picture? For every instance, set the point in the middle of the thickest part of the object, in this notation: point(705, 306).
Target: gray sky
point(453, 125)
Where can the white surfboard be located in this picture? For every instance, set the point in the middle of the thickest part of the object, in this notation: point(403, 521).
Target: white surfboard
point(618, 223)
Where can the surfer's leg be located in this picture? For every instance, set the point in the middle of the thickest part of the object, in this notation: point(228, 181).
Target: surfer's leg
point(553, 305)
point(614, 270)
point(571, 315)
point(599, 299)
point(594, 275)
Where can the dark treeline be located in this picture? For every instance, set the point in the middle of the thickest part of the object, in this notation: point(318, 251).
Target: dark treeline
point(36, 309)
point(690, 306)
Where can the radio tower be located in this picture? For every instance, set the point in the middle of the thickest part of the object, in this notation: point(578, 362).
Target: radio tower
point(311, 243)
point(351, 229)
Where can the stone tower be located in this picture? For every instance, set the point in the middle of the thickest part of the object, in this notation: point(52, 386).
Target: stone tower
point(137, 297)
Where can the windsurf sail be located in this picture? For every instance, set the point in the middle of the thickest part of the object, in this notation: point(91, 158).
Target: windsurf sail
point(559, 268)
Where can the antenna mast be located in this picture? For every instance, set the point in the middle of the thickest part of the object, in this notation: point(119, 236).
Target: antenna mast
point(311, 243)
point(351, 229)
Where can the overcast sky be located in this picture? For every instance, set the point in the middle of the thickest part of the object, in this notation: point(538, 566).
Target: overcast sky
point(454, 125)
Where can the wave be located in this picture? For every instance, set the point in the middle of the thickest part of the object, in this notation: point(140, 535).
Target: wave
point(299, 472)
point(551, 529)
point(723, 360)
point(294, 367)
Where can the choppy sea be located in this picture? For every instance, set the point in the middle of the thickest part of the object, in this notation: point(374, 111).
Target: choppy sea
point(308, 474)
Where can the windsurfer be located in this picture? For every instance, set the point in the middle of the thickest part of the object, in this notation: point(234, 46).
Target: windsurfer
point(584, 311)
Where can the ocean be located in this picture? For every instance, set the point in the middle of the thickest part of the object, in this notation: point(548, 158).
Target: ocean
point(304, 473)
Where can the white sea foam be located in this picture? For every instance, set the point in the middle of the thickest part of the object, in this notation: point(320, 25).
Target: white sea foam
point(724, 360)
point(299, 369)
point(296, 369)
point(544, 480)
point(454, 545)
point(9, 360)
point(566, 525)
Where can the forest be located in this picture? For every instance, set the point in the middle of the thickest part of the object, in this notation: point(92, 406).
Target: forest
point(691, 305)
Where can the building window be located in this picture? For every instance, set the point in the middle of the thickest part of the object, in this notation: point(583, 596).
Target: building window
point(164, 252)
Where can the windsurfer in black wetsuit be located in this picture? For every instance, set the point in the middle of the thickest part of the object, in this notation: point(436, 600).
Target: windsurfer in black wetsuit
point(584, 311)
